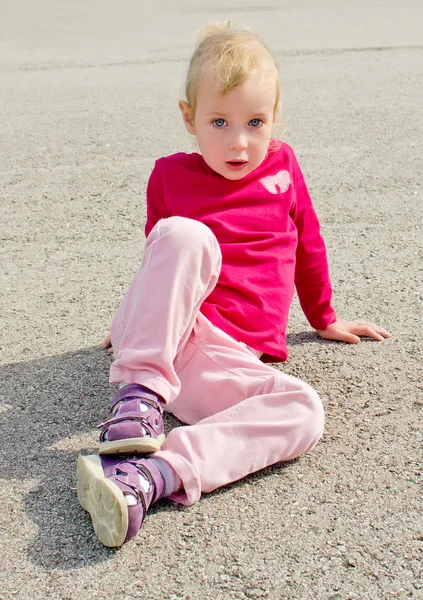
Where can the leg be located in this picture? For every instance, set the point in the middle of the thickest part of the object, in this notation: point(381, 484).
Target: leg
point(245, 415)
point(180, 268)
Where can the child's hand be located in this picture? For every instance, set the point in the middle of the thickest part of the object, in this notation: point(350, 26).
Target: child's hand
point(107, 343)
point(349, 331)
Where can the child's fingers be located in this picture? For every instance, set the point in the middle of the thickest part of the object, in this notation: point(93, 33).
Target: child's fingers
point(339, 335)
point(381, 331)
point(348, 337)
point(372, 331)
point(107, 342)
point(374, 335)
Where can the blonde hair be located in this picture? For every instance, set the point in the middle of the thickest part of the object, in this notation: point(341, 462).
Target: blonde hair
point(230, 56)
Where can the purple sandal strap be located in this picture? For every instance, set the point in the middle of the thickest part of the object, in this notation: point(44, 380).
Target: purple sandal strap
point(152, 403)
point(130, 472)
point(124, 417)
point(135, 390)
point(154, 476)
point(128, 487)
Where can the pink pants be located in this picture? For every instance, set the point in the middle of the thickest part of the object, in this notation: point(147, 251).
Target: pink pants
point(242, 414)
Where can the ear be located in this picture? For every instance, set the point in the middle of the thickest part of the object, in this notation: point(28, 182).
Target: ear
point(187, 116)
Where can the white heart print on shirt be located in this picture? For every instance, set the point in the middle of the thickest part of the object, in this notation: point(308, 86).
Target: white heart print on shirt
point(281, 180)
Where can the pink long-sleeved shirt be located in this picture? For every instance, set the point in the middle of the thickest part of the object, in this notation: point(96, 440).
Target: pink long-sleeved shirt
point(270, 239)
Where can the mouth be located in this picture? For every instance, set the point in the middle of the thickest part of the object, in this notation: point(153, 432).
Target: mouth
point(236, 165)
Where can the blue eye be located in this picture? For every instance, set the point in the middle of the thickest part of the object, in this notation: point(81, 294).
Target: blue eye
point(219, 122)
point(256, 122)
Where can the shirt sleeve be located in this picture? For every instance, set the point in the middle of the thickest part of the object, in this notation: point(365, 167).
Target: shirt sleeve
point(312, 279)
point(156, 205)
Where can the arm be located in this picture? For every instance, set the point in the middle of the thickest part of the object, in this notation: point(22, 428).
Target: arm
point(312, 276)
point(312, 279)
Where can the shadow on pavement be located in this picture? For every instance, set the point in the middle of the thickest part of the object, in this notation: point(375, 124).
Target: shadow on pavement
point(310, 337)
point(50, 409)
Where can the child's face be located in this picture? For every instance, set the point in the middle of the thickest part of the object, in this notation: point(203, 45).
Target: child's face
point(233, 131)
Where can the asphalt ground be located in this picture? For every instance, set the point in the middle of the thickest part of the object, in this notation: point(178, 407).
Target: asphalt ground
point(88, 101)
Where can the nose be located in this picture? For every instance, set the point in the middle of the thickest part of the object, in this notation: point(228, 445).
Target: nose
point(239, 142)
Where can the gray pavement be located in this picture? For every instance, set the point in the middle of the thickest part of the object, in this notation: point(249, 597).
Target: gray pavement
point(88, 100)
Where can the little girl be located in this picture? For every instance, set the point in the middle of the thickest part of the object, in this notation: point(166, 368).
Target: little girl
point(230, 232)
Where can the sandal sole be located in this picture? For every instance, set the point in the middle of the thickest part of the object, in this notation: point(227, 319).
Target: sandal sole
point(132, 446)
point(103, 500)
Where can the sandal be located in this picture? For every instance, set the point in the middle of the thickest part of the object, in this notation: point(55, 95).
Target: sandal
point(136, 424)
point(104, 482)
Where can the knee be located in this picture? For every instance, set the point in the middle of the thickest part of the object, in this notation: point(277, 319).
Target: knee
point(186, 235)
point(183, 231)
point(306, 418)
point(313, 416)
point(192, 242)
